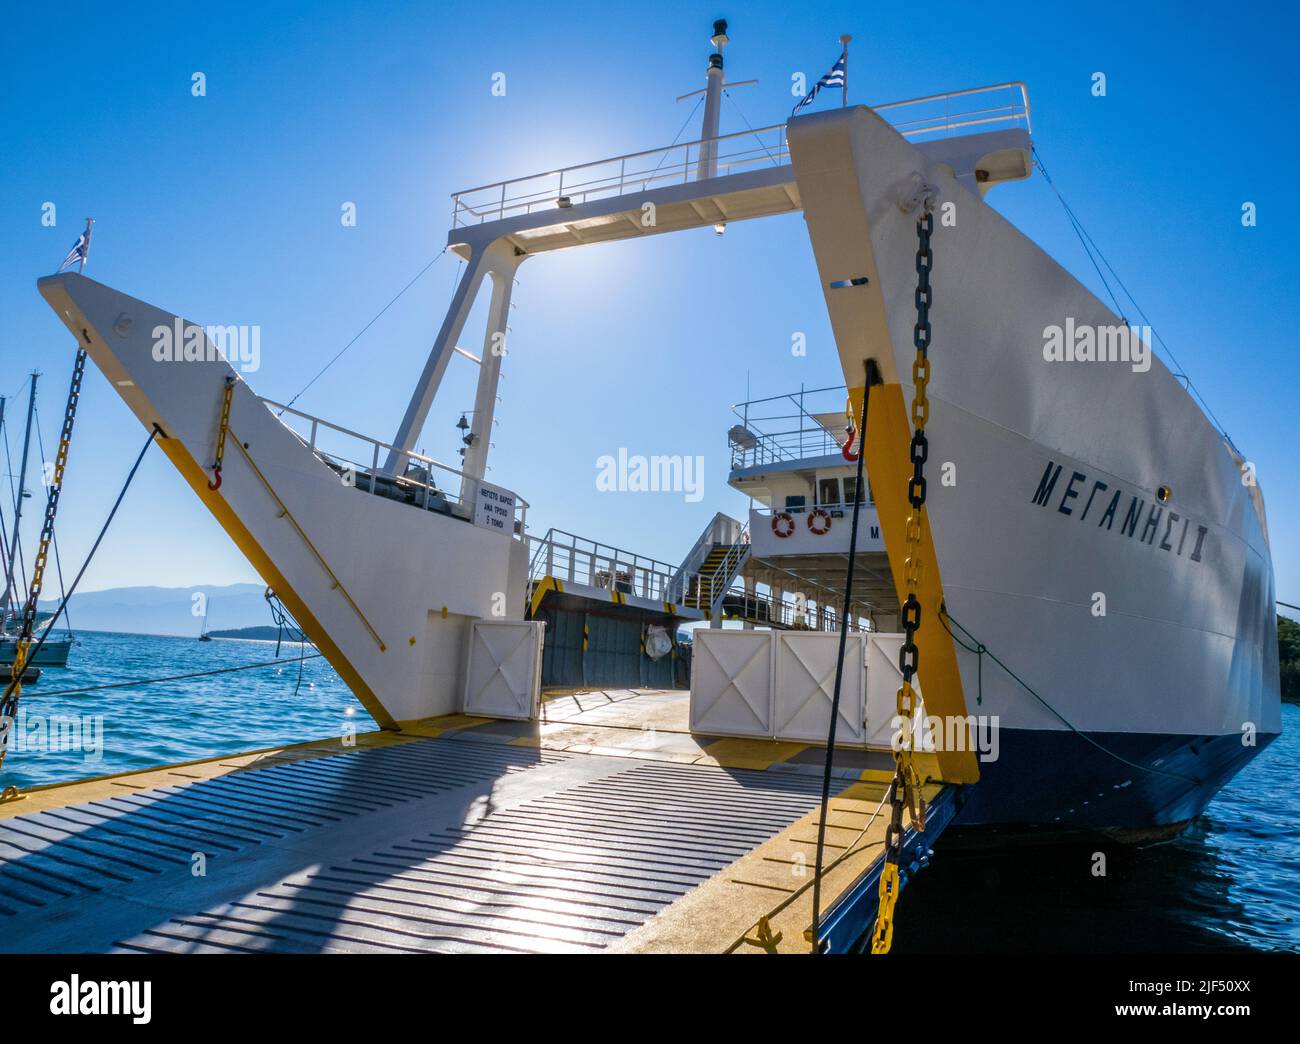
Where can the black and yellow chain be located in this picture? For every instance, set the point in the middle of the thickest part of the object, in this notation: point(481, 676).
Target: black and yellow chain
point(9, 702)
point(906, 786)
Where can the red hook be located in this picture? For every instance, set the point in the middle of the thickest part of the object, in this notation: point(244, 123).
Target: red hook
point(216, 479)
point(846, 449)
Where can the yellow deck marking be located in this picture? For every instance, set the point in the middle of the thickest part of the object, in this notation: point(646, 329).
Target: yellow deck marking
point(751, 753)
point(429, 728)
point(547, 583)
point(773, 881)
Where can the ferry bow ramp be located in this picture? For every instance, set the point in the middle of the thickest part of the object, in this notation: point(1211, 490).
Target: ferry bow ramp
point(560, 765)
point(571, 834)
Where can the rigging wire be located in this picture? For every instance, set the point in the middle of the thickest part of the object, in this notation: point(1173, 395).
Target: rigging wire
point(1089, 247)
point(681, 130)
point(368, 325)
point(20, 565)
point(982, 650)
point(136, 682)
point(739, 112)
point(39, 643)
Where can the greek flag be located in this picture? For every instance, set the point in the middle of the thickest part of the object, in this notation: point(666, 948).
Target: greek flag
point(834, 78)
point(79, 253)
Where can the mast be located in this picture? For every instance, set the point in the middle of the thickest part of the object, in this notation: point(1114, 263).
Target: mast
point(18, 503)
point(708, 166)
point(715, 83)
point(845, 40)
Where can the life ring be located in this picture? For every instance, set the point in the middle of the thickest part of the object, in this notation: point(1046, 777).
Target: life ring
point(847, 448)
point(819, 521)
point(783, 524)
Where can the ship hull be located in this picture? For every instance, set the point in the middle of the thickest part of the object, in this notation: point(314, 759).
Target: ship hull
point(54, 653)
point(1087, 526)
point(1049, 782)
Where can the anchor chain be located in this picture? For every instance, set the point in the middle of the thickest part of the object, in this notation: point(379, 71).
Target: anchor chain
point(224, 427)
point(905, 789)
point(9, 702)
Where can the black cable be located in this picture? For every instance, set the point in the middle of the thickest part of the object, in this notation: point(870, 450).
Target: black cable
point(984, 650)
point(280, 614)
point(858, 498)
point(1086, 240)
point(7, 702)
point(175, 677)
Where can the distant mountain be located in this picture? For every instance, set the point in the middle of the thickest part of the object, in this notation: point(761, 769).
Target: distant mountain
point(166, 610)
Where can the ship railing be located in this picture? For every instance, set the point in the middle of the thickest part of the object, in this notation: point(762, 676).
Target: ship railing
point(356, 458)
point(798, 434)
point(998, 105)
point(580, 560)
point(722, 529)
point(761, 607)
point(953, 112)
point(775, 447)
point(635, 172)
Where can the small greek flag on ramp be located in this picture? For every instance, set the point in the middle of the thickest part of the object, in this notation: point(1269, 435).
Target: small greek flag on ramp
point(79, 253)
point(834, 78)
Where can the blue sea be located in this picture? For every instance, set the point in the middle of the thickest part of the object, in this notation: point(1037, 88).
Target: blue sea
point(1229, 882)
point(161, 723)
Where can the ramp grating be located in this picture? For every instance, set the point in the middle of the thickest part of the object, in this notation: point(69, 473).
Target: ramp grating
point(570, 870)
point(59, 854)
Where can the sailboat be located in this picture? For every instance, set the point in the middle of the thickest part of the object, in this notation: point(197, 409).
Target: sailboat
point(53, 651)
point(203, 631)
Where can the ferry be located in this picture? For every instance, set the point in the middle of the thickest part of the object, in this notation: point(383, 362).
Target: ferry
point(956, 590)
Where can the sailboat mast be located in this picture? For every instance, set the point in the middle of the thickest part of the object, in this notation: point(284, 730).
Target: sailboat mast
point(18, 503)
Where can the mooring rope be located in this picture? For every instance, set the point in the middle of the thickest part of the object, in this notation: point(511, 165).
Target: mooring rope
point(179, 677)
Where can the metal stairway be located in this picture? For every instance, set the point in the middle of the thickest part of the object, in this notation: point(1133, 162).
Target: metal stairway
point(715, 575)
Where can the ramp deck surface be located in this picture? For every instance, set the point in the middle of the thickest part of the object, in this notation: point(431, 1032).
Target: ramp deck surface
point(606, 825)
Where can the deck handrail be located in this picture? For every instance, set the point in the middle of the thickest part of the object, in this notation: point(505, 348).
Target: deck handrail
point(378, 446)
point(581, 560)
point(497, 201)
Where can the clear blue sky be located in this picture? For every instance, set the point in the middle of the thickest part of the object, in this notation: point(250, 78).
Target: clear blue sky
point(226, 209)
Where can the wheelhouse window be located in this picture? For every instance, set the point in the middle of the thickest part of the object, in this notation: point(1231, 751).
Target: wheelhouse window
point(850, 486)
